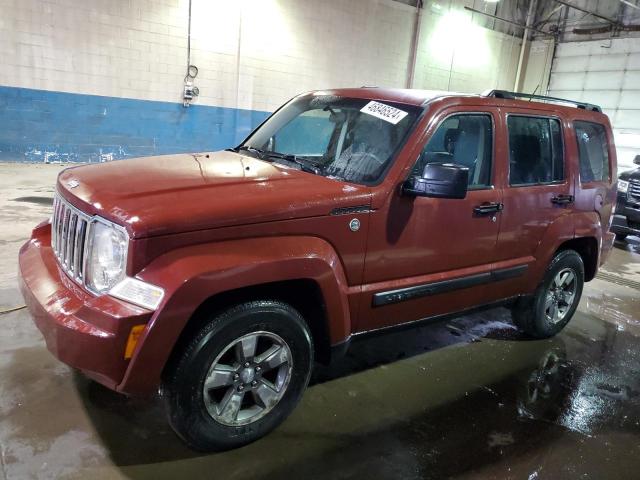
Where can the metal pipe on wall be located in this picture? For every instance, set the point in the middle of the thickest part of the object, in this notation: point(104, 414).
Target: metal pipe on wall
point(510, 22)
point(414, 45)
point(587, 11)
point(523, 47)
point(632, 5)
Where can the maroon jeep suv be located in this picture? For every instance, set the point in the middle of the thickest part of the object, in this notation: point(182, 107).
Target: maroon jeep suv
point(218, 278)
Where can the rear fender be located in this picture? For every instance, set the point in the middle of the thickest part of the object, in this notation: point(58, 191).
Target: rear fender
point(589, 224)
point(563, 229)
point(193, 274)
point(559, 231)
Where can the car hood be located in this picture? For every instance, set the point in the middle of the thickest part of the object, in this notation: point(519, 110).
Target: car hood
point(177, 193)
point(630, 175)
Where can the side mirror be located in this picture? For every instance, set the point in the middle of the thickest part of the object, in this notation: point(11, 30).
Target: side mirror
point(637, 160)
point(439, 180)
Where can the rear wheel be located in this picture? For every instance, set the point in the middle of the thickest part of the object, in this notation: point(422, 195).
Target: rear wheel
point(240, 377)
point(555, 300)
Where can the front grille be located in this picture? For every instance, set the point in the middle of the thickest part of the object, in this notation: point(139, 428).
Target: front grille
point(69, 229)
point(634, 190)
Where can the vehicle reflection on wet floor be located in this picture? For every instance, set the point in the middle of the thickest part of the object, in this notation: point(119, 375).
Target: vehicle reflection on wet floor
point(467, 398)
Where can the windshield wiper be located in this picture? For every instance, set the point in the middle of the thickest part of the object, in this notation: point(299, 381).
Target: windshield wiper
point(305, 165)
point(256, 151)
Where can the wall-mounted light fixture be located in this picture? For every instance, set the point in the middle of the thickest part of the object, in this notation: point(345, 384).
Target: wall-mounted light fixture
point(190, 90)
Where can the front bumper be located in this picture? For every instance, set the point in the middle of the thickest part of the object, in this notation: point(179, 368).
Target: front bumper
point(626, 220)
point(621, 225)
point(84, 331)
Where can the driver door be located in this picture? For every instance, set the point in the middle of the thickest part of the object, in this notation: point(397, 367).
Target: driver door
point(431, 256)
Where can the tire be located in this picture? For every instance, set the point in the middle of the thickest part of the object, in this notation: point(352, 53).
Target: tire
point(620, 237)
point(535, 316)
point(204, 418)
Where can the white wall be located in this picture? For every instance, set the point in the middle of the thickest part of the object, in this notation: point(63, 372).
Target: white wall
point(537, 68)
point(115, 48)
point(607, 73)
point(321, 44)
point(252, 54)
point(457, 54)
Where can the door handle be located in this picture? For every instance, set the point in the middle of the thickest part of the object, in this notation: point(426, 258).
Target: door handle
point(562, 199)
point(488, 208)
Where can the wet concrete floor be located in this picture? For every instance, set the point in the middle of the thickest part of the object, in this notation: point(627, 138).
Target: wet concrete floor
point(468, 398)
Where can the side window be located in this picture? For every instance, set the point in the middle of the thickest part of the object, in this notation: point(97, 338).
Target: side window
point(465, 139)
point(308, 134)
point(535, 150)
point(592, 151)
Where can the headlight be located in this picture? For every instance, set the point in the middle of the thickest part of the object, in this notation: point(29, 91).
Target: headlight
point(107, 256)
point(623, 186)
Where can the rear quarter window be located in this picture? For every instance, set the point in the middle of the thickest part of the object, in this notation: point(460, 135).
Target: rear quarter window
point(593, 151)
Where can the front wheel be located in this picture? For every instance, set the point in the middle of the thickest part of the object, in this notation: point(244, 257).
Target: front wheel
point(555, 300)
point(240, 377)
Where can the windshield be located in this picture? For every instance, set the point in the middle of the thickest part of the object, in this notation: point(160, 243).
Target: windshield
point(350, 139)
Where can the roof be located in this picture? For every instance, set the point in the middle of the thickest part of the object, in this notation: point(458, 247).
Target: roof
point(407, 96)
point(420, 97)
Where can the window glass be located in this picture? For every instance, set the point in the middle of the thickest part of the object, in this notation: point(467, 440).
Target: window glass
point(535, 150)
point(308, 134)
point(592, 151)
point(349, 139)
point(465, 139)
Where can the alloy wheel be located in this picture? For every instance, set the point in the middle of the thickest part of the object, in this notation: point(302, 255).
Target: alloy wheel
point(560, 295)
point(248, 379)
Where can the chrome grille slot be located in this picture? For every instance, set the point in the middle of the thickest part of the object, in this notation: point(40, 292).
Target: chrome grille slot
point(634, 190)
point(65, 235)
point(71, 240)
point(54, 217)
point(78, 256)
point(69, 228)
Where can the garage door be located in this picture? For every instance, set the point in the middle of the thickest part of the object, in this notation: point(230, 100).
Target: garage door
point(606, 73)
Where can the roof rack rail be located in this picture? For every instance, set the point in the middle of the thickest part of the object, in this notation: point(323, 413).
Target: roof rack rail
point(516, 95)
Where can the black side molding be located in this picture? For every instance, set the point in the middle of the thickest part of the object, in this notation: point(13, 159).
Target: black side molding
point(434, 288)
point(507, 273)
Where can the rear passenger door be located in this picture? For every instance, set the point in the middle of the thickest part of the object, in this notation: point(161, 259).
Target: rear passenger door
point(538, 188)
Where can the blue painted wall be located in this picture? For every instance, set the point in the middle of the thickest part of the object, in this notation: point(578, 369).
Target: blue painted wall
point(38, 125)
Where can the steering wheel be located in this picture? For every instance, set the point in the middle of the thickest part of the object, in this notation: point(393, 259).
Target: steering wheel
point(369, 164)
point(366, 157)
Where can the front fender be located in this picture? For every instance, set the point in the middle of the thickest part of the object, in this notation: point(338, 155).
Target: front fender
point(193, 274)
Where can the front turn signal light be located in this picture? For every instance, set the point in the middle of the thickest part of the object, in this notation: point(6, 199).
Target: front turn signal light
point(138, 292)
point(132, 341)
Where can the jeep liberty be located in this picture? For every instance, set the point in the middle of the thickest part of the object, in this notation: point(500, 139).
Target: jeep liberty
point(219, 278)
